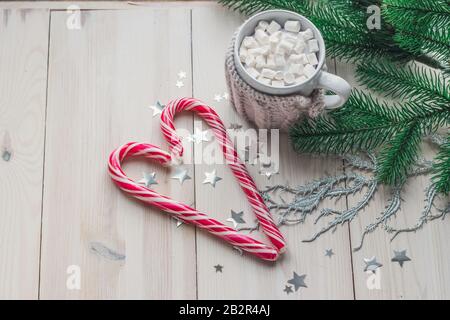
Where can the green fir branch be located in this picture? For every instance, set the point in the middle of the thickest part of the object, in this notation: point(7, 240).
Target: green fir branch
point(441, 169)
point(397, 157)
point(417, 84)
point(438, 46)
point(418, 15)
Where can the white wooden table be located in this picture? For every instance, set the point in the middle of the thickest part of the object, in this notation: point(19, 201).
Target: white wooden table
point(68, 97)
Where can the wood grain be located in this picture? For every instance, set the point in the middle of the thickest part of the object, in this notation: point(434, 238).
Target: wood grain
point(23, 77)
point(244, 277)
point(102, 78)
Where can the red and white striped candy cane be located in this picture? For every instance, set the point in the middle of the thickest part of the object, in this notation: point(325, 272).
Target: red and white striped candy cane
point(186, 213)
point(239, 170)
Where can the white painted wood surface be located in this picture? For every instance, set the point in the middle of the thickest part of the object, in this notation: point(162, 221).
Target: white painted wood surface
point(23, 65)
point(101, 78)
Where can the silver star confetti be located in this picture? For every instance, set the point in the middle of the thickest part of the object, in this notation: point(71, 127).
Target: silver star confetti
point(268, 174)
point(157, 108)
point(329, 253)
point(179, 84)
point(400, 257)
point(218, 268)
point(372, 264)
point(178, 221)
point(225, 96)
point(181, 174)
point(149, 179)
point(288, 289)
point(211, 178)
point(298, 281)
point(218, 97)
point(199, 136)
point(6, 155)
point(236, 218)
point(181, 74)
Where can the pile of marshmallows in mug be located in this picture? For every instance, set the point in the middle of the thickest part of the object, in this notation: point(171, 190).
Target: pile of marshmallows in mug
point(279, 57)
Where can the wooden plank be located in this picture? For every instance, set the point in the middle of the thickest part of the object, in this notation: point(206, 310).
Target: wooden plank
point(245, 277)
point(427, 275)
point(104, 5)
point(102, 78)
point(23, 83)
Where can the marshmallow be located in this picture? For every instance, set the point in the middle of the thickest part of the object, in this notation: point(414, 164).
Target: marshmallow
point(312, 59)
point(270, 63)
point(255, 51)
point(278, 75)
point(262, 37)
point(253, 72)
point(273, 27)
point(286, 45)
point(279, 50)
point(309, 70)
point(250, 42)
point(301, 79)
point(262, 25)
point(292, 26)
point(296, 68)
point(289, 37)
point(243, 53)
point(303, 59)
point(260, 62)
point(313, 45)
point(289, 78)
point(296, 58)
point(300, 46)
point(250, 61)
point(264, 80)
point(279, 60)
point(277, 83)
point(267, 73)
point(307, 34)
point(265, 50)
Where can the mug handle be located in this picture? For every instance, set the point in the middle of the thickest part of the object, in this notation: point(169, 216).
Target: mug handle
point(336, 84)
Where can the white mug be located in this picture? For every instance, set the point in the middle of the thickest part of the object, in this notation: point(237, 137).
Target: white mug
point(320, 79)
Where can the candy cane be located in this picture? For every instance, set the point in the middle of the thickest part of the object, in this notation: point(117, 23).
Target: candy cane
point(186, 213)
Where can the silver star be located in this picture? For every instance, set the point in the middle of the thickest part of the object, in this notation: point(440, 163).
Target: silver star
point(157, 108)
point(372, 264)
point(298, 281)
point(329, 253)
point(268, 174)
point(211, 178)
point(218, 97)
point(288, 289)
point(225, 96)
point(199, 136)
point(400, 257)
point(218, 268)
point(181, 174)
point(181, 74)
point(179, 84)
point(148, 179)
point(6, 155)
point(236, 218)
point(178, 221)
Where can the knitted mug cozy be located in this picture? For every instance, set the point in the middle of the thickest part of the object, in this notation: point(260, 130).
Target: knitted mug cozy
point(265, 110)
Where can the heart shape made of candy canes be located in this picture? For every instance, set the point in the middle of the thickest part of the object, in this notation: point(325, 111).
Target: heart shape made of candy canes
point(184, 212)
